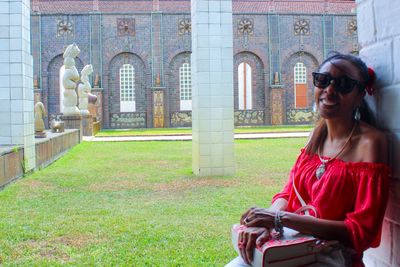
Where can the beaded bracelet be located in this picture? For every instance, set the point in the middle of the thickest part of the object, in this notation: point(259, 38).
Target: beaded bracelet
point(278, 226)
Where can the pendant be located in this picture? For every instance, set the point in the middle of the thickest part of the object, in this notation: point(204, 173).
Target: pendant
point(320, 170)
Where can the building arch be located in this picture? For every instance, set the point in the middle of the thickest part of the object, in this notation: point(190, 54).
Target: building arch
point(257, 79)
point(112, 95)
point(299, 92)
point(173, 79)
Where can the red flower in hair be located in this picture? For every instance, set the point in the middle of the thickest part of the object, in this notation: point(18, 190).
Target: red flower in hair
point(371, 80)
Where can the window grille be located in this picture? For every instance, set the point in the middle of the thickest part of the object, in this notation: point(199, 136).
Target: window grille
point(300, 85)
point(127, 88)
point(185, 87)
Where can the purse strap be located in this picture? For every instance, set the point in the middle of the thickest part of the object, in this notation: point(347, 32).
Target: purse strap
point(304, 206)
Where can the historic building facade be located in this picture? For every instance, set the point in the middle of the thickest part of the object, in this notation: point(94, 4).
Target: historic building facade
point(140, 52)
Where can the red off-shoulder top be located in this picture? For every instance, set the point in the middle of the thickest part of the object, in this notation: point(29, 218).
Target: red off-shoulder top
point(354, 192)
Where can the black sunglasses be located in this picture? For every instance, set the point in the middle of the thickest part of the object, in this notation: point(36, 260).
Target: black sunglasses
point(343, 84)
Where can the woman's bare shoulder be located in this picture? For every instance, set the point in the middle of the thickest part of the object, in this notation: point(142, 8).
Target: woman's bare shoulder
point(372, 146)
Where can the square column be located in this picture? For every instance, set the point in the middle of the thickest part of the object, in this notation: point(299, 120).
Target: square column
point(16, 81)
point(212, 87)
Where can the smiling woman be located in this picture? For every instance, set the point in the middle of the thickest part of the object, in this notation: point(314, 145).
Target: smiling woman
point(341, 173)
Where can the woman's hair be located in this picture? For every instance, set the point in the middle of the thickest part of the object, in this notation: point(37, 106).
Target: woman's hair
point(320, 131)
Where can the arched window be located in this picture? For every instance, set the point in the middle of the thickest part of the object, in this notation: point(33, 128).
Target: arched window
point(62, 70)
point(300, 85)
point(127, 88)
point(185, 87)
point(245, 86)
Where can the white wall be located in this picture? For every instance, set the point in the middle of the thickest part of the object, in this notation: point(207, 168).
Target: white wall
point(212, 87)
point(379, 37)
point(16, 81)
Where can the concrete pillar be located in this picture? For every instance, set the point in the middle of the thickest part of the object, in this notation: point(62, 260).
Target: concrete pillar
point(212, 85)
point(379, 36)
point(16, 81)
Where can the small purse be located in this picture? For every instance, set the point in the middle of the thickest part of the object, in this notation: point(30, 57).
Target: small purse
point(293, 249)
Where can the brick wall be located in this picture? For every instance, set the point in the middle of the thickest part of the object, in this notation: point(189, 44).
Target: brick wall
point(379, 37)
point(107, 49)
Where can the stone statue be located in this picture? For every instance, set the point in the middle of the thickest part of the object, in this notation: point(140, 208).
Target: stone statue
point(69, 80)
point(276, 78)
point(35, 82)
point(84, 89)
point(40, 113)
point(97, 80)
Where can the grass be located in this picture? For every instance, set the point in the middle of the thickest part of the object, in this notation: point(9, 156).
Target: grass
point(185, 131)
point(136, 204)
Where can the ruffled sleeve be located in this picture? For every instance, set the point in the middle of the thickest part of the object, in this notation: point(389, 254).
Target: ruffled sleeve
point(364, 223)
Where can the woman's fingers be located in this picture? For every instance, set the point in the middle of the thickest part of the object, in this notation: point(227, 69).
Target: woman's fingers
point(250, 247)
point(264, 237)
point(260, 218)
point(242, 245)
point(246, 214)
point(261, 222)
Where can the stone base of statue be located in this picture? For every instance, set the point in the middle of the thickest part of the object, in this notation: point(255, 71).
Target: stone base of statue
point(40, 135)
point(87, 125)
point(73, 122)
point(71, 111)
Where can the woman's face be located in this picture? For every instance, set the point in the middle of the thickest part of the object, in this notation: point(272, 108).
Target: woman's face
point(331, 103)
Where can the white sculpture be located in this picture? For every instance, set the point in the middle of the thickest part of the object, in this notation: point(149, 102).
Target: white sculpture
point(70, 78)
point(84, 89)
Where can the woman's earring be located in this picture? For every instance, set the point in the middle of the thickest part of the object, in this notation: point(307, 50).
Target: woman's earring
point(357, 114)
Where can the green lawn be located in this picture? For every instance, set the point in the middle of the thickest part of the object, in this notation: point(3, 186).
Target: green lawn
point(136, 204)
point(179, 131)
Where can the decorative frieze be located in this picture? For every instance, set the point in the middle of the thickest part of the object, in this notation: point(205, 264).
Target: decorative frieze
point(249, 117)
point(300, 116)
point(181, 119)
point(128, 120)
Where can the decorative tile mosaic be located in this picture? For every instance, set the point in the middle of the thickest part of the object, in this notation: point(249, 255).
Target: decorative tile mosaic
point(181, 119)
point(246, 26)
point(299, 116)
point(249, 117)
point(128, 120)
point(352, 27)
point(184, 26)
point(65, 28)
point(302, 27)
point(126, 27)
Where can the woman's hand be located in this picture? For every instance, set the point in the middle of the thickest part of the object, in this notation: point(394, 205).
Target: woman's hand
point(248, 239)
point(244, 215)
point(258, 217)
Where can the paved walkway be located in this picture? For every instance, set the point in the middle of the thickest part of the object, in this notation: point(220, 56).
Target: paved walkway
point(189, 137)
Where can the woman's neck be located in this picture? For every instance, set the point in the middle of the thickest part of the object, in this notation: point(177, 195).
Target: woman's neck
point(339, 129)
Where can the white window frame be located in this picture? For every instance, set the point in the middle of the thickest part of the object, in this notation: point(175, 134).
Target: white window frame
point(245, 86)
point(127, 88)
point(185, 87)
